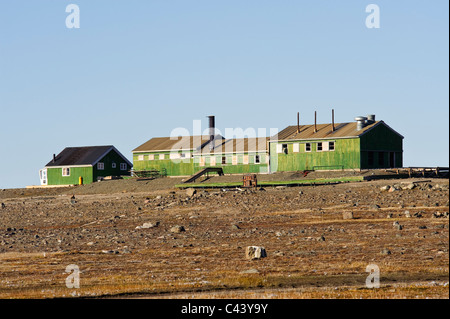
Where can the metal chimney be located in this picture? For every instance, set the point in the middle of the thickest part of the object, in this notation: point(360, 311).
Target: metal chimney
point(370, 119)
point(315, 121)
point(332, 120)
point(54, 158)
point(211, 131)
point(360, 122)
point(298, 122)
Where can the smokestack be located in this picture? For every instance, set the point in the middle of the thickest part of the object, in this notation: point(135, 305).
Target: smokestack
point(370, 119)
point(360, 122)
point(315, 121)
point(211, 131)
point(54, 158)
point(298, 122)
point(332, 120)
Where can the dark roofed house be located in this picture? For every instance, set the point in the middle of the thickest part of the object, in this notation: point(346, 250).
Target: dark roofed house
point(86, 164)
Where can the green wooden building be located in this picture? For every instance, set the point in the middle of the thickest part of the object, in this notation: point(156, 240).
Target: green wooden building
point(186, 155)
point(87, 164)
point(363, 144)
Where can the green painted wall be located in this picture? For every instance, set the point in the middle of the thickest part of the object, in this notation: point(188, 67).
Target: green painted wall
point(190, 165)
point(345, 156)
point(382, 142)
point(172, 167)
point(239, 167)
point(54, 176)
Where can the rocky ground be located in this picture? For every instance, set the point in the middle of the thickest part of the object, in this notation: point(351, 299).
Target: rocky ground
point(147, 239)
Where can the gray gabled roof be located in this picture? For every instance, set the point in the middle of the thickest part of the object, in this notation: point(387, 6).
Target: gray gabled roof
point(83, 155)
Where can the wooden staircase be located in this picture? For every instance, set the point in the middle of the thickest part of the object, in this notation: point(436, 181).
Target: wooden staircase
point(204, 171)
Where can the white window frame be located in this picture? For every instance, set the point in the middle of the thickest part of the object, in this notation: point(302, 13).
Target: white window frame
point(334, 146)
point(296, 148)
point(234, 160)
point(65, 171)
point(113, 165)
point(161, 156)
point(325, 146)
point(279, 148)
point(257, 159)
point(310, 147)
point(140, 157)
point(201, 161)
point(123, 166)
point(101, 166)
point(223, 160)
point(321, 147)
point(151, 157)
point(212, 161)
point(245, 160)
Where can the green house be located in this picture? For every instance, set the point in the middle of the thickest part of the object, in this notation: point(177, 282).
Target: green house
point(84, 165)
point(186, 155)
point(363, 144)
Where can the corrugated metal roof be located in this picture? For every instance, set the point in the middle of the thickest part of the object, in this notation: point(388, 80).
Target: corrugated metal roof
point(324, 131)
point(174, 143)
point(83, 155)
point(201, 144)
point(240, 145)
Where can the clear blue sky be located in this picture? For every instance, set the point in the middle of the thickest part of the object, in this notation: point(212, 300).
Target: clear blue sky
point(138, 69)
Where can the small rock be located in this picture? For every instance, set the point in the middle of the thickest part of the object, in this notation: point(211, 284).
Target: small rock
point(250, 271)
point(385, 251)
point(385, 188)
point(191, 192)
point(423, 227)
point(347, 215)
point(389, 215)
point(177, 229)
point(375, 206)
point(3, 205)
point(321, 238)
point(407, 214)
point(255, 252)
point(235, 227)
point(410, 186)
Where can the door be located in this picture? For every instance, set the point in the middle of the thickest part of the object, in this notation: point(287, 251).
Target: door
point(43, 176)
point(392, 159)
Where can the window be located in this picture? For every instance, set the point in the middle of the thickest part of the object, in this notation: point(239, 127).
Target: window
point(140, 157)
point(151, 157)
point(381, 159)
point(123, 166)
point(212, 161)
point(224, 160)
point(202, 161)
point(183, 155)
point(331, 146)
point(326, 146)
point(319, 147)
point(285, 148)
point(66, 171)
point(307, 147)
point(234, 160)
point(370, 158)
point(296, 147)
point(113, 165)
point(257, 159)
point(245, 160)
point(100, 166)
point(279, 148)
point(174, 155)
point(161, 156)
